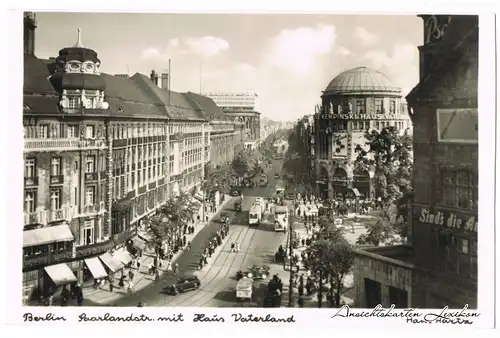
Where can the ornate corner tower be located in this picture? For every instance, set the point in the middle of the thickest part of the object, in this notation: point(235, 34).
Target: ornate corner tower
point(77, 78)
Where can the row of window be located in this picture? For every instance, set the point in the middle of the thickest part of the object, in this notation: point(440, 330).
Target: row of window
point(184, 128)
point(192, 156)
point(56, 198)
point(60, 130)
point(460, 255)
point(361, 106)
point(141, 177)
point(30, 166)
point(122, 131)
point(459, 189)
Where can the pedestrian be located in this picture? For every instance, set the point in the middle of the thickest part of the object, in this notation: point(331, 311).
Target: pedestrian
point(188, 246)
point(138, 263)
point(169, 266)
point(232, 247)
point(176, 268)
point(237, 247)
point(206, 219)
point(130, 275)
point(205, 260)
point(157, 275)
point(184, 240)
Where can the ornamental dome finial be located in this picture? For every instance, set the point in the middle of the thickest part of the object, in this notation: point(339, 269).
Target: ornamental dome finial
point(79, 41)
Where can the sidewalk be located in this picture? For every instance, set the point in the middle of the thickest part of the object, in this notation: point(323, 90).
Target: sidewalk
point(142, 278)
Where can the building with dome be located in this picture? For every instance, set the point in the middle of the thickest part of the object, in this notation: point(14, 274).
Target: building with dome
point(355, 101)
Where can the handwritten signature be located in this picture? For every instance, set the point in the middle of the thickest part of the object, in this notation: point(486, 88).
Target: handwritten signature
point(413, 316)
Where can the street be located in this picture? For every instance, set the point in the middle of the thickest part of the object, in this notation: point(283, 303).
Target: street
point(257, 246)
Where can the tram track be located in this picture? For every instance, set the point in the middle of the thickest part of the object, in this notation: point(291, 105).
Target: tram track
point(189, 301)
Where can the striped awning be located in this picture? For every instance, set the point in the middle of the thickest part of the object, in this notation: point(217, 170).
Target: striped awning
point(60, 274)
point(123, 256)
point(95, 267)
point(112, 263)
point(58, 233)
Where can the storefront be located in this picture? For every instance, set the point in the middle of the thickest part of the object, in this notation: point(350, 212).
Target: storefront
point(111, 264)
point(362, 182)
point(339, 184)
point(57, 276)
point(93, 270)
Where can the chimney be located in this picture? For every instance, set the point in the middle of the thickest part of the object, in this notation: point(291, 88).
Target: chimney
point(153, 77)
point(30, 24)
point(164, 80)
point(156, 80)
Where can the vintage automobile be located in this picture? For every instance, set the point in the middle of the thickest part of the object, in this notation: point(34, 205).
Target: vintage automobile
point(244, 289)
point(235, 190)
point(183, 284)
point(260, 200)
point(276, 175)
point(237, 206)
point(256, 272)
point(224, 217)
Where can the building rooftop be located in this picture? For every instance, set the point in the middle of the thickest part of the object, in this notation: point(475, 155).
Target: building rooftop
point(401, 255)
point(361, 80)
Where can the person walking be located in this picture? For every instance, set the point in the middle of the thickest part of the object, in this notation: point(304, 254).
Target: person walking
point(188, 246)
point(176, 268)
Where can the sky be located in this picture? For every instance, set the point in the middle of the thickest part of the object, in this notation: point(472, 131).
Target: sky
point(287, 59)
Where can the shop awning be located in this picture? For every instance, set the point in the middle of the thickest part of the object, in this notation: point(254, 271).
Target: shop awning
point(123, 256)
point(356, 192)
point(60, 274)
point(112, 263)
point(58, 233)
point(95, 267)
point(198, 196)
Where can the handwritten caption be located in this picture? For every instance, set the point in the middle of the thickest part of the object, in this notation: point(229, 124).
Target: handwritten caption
point(413, 316)
point(175, 318)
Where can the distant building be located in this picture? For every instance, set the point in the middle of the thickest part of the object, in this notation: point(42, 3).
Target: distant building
point(241, 107)
point(354, 102)
point(438, 267)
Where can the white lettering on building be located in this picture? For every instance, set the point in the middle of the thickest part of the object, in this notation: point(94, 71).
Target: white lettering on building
point(452, 221)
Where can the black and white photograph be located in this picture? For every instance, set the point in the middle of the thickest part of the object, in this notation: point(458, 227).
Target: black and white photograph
point(251, 161)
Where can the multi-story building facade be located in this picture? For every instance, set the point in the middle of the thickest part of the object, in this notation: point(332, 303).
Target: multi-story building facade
point(304, 131)
point(355, 101)
point(241, 107)
point(226, 137)
point(101, 152)
point(438, 267)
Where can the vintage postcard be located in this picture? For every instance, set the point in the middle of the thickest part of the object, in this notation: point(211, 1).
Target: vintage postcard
point(226, 168)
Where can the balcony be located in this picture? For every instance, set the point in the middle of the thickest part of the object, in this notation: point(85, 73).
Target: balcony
point(64, 213)
point(31, 181)
point(90, 177)
point(94, 208)
point(56, 179)
point(35, 217)
point(62, 144)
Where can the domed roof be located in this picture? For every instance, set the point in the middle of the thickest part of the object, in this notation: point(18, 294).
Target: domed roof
point(361, 80)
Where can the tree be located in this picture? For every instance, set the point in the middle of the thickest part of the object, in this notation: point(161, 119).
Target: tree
point(389, 155)
point(170, 220)
point(245, 161)
point(390, 229)
point(217, 179)
point(330, 258)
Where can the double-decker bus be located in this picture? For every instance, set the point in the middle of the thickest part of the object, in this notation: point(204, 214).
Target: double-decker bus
point(281, 218)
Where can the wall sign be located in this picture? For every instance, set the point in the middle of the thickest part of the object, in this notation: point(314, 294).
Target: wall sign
point(448, 219)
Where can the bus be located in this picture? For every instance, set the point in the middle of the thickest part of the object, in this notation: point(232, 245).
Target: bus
point(280, 218)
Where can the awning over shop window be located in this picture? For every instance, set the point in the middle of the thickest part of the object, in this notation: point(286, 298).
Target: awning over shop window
point(138, 243)
point(59, 233)
point(95, 267)
point(112, 263)
point(60, 274)
point(356, 192)
point(123, 256)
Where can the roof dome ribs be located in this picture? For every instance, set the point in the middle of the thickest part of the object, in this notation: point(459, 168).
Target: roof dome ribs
point(361, 80)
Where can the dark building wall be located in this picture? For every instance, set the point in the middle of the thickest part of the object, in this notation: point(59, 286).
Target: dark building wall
point(444, 233)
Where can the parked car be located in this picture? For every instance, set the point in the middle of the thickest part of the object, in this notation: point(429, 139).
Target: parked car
point(237, 206)
point(276, 175)
point(235, 190)
point(183, 284)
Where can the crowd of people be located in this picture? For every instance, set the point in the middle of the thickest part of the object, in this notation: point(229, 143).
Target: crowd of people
point(215, 242)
